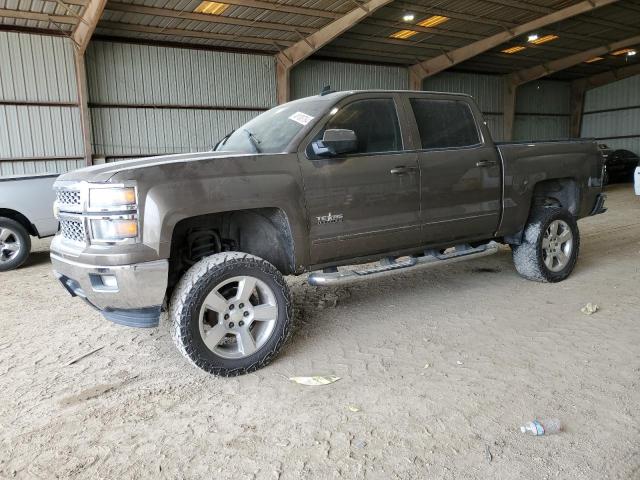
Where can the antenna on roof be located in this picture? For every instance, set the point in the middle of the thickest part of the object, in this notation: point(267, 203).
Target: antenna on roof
point(326, 90)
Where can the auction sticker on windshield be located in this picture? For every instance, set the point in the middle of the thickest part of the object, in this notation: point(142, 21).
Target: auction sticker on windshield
point(301, 118)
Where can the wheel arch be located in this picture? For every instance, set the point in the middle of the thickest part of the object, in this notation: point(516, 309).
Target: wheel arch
point(20, 218)
point(263, 232)
point(563, 192)
point(557, 192)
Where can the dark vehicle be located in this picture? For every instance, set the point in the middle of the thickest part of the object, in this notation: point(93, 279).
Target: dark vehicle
point(619, 164)
point(407, 178)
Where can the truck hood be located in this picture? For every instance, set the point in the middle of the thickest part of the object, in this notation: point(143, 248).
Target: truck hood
point(103, 173)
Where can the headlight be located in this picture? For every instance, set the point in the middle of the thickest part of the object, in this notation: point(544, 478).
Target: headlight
point(113, 230)
point(112, 198)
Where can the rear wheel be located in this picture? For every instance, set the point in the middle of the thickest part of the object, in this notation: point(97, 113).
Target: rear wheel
point(549, 250)
point(15, 244)
point(231, 313)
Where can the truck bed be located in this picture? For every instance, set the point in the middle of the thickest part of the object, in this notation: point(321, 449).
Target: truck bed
point(525, 164)
point(32, 197)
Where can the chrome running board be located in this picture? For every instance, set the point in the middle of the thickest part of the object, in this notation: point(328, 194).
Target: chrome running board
point(430, 258)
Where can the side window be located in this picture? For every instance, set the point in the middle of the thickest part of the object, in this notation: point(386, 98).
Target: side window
point(445, 123)
point(375, 123)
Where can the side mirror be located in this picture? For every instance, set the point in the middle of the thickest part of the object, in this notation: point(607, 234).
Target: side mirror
point(335, 142)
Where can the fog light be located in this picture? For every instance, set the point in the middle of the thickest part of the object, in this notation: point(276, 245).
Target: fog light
point(109, 281)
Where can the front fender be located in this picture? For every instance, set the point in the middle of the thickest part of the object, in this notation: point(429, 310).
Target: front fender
point(168, 194)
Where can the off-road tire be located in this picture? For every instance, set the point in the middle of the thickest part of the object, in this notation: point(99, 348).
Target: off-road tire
point(25, 244)
point(189, 296)
point(528, 257)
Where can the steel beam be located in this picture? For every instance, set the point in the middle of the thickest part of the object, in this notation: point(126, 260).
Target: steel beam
point(87, 24)
point(83, 104)
point(454, 57)
point(81, 35)
point(508, 109)
point(604, 78)
point(548, 68)
point(302, 49)
point(576, 105)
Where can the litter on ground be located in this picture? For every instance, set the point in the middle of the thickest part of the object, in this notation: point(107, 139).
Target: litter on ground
point(315, 380)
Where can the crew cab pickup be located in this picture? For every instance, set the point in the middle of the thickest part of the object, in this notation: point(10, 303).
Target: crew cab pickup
point(345, 178)
point(26, 209)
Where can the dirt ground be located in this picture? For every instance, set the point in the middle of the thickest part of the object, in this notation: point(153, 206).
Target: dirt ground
point(500, 351)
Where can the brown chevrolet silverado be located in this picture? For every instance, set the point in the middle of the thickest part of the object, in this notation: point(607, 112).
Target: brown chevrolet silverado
point(408, 179)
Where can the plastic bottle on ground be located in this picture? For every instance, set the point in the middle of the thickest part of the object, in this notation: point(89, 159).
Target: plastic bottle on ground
point(542, 427)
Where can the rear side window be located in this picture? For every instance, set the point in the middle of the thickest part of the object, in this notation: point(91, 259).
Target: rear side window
point(375, 123)
point(445, 123)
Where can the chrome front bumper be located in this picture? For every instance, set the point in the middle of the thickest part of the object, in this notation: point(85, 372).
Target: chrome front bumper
point(130, 295)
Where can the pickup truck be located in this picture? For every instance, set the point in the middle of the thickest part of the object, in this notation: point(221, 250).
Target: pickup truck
point(405, 178)
point(26, 209)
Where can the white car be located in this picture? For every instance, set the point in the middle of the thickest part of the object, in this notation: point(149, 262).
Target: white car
point(26, 209)
point(636, 182)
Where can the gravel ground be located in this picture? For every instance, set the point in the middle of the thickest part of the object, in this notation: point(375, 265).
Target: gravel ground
point(500, 351)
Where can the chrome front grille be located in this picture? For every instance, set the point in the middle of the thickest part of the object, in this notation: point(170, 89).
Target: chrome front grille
point(68, 197)
point(72, 229)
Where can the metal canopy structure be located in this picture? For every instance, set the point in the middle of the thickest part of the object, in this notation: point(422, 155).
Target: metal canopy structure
point(421, 32)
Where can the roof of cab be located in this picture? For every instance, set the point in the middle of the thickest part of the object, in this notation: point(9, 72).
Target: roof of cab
point(336, 95)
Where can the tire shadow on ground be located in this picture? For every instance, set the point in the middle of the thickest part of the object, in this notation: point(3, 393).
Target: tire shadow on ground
point(36, 258)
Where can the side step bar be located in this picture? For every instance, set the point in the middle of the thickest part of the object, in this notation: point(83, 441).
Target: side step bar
point(431, 257)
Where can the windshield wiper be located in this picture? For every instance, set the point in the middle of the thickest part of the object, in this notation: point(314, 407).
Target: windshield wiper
point(254, 140)
point(223, 140)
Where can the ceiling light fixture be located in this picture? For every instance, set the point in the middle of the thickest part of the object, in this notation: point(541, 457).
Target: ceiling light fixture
point(594, 59)
point(631, 53)
point(408, 17)
point(403, 34)
point(433, 21)
point(211, 8)
point(544, 39)
point(532, 37)
point(510, 50)
point(622, 51)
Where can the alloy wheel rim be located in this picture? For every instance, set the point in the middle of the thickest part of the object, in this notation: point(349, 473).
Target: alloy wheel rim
point(557, 245)
point(9, 245)
point(238, 317)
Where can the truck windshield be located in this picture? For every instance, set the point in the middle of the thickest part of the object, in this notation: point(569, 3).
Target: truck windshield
point(273, 130)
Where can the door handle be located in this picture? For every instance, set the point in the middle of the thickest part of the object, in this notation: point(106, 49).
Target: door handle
point(402, 170)
point(486, 163)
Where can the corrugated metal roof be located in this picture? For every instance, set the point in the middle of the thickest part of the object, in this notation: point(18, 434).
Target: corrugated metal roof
point(44, 14)
point(270, 25)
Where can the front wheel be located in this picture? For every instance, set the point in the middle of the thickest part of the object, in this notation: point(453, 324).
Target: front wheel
point(550, 246)
point(231, 313)
point(15, 244)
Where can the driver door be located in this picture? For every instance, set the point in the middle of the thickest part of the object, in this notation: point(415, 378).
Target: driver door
point(367, 201)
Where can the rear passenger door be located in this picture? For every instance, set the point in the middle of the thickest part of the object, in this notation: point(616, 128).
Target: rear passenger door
point(461, 172)
point(367, 201)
